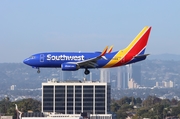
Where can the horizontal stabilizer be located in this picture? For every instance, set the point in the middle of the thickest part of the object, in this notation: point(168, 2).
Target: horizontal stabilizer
point(141, 56)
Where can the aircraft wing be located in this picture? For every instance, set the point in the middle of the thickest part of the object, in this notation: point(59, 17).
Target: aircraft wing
point(92, 61)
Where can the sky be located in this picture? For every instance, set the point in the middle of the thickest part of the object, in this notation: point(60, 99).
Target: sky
point(30, 27)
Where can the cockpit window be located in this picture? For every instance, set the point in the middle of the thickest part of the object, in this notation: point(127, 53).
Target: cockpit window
point(32, 57)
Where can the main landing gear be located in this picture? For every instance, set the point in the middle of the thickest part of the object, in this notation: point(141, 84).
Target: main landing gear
point(86, 71)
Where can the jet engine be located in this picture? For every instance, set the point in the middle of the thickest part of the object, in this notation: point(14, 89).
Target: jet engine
point(69, 67)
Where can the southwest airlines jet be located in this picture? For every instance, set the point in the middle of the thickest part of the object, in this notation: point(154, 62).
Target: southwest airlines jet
point(72, 61)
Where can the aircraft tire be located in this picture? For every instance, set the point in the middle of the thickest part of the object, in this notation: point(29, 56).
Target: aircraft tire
point(38, 71)
point(86, 71)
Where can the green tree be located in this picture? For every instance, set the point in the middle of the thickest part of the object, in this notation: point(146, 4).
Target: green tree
point(141, 111)
point(138, 101)
point(4, 105)
point(174, 102)
point(114, 107)
point(175, 111)
point(121, 114)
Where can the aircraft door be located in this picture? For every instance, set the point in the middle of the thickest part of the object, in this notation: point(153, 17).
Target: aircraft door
point(41, 57)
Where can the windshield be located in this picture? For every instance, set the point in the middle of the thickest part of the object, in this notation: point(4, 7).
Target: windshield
point(32, 57)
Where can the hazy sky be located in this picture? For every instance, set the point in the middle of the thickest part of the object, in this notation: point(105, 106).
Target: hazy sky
point(29, 27)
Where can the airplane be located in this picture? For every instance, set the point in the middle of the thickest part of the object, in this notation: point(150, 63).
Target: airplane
point(72, 61)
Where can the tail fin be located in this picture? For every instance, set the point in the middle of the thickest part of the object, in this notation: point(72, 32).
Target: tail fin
point(138, 45)
point(135, 48)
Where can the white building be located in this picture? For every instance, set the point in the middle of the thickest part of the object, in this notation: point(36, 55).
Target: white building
point(67, 100)
point(165, 84)
point(12, 87)
point(132, 84)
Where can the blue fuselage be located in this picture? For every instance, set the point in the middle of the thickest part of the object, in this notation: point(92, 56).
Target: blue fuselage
point(55, 59)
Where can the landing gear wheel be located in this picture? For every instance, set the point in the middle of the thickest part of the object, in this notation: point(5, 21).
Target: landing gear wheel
point(86, 71)
point(38, 71)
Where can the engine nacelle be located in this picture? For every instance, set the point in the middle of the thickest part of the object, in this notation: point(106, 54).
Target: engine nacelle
point(69, 67)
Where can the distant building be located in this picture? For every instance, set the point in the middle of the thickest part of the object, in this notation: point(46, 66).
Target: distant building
point(105, 75)
point(6, 117)
point(132, 76)
point(113, 84)
point(77, 75)
point(12, 87)
point(119, 78)
point(66, 75)
point(122, 77)
point(159, 84)
point(136, 73)
point(165, 84)
point(171, 84)
point(125, 76)
point(132, 84)
point(129, 71)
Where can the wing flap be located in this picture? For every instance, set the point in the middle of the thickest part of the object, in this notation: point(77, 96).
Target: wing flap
point(92, 64)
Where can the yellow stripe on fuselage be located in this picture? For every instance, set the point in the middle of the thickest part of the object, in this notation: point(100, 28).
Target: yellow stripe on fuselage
point(121, 54)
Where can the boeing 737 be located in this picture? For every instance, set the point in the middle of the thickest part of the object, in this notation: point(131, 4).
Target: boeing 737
point(72, 61)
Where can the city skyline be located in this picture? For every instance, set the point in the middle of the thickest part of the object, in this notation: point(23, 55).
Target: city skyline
point(26, 78)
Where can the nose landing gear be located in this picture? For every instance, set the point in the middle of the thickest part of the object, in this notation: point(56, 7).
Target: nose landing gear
point(38, 71)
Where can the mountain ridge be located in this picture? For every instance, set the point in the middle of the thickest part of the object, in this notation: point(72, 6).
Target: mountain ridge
point(164, 56)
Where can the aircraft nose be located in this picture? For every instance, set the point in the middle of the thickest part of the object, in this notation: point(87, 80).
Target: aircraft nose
point(26, 61)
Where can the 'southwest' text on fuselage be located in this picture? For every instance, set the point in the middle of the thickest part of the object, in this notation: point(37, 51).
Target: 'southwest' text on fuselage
point(65, 57)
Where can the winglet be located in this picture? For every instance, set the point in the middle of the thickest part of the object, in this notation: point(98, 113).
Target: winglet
point(104, 51)
point(110, 49)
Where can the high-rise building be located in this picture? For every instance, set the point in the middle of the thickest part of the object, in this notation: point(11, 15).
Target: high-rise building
point(78, 75)
point(136, 73)
point(105, 75)
point(129, 71)
point(125, 77)
point(122, 77)
point(119, 78)
point(132, 84)
point(72, 97)
point(66, 75)
point(171, 84)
